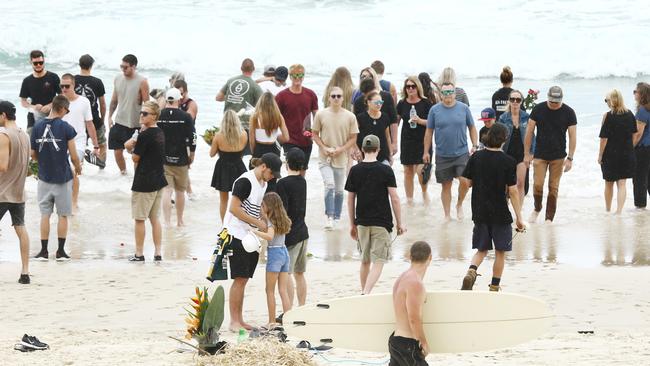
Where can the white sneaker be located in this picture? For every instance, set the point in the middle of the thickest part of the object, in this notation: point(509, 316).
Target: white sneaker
point(329, 224)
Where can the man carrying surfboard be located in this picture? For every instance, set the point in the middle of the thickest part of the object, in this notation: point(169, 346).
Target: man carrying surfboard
point(408, 344)
point(489, 172)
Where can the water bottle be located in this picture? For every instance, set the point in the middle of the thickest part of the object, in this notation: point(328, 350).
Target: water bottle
point(242, 335)
point(413, 114)
point(134, 137)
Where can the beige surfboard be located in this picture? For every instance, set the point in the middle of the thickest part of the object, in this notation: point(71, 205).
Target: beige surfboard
point(454, 321)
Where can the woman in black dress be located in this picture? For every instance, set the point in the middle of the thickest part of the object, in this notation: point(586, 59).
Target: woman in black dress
point(375, 122)
point(413, 110)
point(229, 143)
point(616, 153)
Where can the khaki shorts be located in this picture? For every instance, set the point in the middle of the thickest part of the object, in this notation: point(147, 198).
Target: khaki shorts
point(177, 177)
point(298, 257)
point(145, 204)
point(374, 243)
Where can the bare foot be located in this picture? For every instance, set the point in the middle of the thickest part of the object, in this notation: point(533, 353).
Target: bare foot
point(459, 212)
point(235, 327)
point(447, 218)
point(246, 326)
point(533, 217)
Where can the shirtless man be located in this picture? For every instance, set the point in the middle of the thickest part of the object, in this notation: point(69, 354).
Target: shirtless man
point(408, 343)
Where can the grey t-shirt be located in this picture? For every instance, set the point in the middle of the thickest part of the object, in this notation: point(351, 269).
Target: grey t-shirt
point(278, 240)
point(238, 91)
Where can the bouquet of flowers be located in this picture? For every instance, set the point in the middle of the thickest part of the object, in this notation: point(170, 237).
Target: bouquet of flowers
point(32, 168)
point(204, 321)
point(209, 134)
point(529, 101)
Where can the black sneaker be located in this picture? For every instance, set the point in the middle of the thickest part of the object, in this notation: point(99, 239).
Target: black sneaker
point(33, 343)
point(24, 279)
point(157, 258)
point(136, 258)
point(42, 256)
point(62, 256)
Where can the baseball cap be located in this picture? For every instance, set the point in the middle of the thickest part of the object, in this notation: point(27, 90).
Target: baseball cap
point(488, 113)
point(173, 95)
point(555, 94)
point(269, 70)
point(273, 162)
point(295, 159)
point(371, 141)
point(281, 73)
point(9, 109)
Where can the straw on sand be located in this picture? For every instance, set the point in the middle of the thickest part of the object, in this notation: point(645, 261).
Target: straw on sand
point(265, 351)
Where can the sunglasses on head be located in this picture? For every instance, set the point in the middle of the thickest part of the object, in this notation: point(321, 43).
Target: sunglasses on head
point(65, 86)
point(144, 113)
point(298, 76)
point(447, 92)
point(410, 86)
point(38, 63)
point(336, 96)
point(515, 100)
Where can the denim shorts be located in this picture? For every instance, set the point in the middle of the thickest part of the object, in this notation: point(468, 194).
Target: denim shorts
point(277, 259)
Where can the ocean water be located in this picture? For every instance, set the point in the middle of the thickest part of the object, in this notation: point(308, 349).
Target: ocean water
point(587, 47)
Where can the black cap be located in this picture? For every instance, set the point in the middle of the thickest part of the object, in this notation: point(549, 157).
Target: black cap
point(273, 162)
point(9, 109)
point(281, 73)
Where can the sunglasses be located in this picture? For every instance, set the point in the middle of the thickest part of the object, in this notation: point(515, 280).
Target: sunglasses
point(67, 110)
point(378, 102)
point(123, 67)
point(297, 76)
point(606, 101)
point(410, 86)
point(554, 102)
point(38, 63)
point(515, 100)
point(144, 113)
point(65, 86)
point(336, 96)
point(447, 92)
point(635, 91)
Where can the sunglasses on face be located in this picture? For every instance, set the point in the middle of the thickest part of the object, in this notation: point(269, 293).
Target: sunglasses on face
point(65, 86)
point(297, 76)
point(515, 100)
point(410, 86)
point(606, 101)
point(124, 67)
point(144, 113)
point(635, 91)
point(378, 102)
point(447, 92)
point(336, 96)
point(554, 102)
point(66, 110)
point(38, 63)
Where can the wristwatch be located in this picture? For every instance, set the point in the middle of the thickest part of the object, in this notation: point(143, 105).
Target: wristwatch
point(569, 158)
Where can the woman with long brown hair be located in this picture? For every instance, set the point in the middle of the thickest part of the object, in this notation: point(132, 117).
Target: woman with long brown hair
point(642, 145)
point(267, 127)
point(343, 79)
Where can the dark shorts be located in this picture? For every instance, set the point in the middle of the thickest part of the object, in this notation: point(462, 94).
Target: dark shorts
point(118, 135)
point(16, 210)
point(405, 352)
point(242, 263)
point(306, 149)
point(485, 234)
point(449, 168)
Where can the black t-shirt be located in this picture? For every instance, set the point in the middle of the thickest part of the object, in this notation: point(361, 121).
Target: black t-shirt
point(370, 182)
point(149, 174)
point(500, 100)
point(41, 91)
point(178, 127)
point(618, 130)
point(377, 127)
point(413, 135)
point(552, 125)
point(491, 173)
point(387, 108)
point(293, 191)
point(93, 89)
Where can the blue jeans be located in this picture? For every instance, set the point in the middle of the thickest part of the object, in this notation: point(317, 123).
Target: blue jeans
point(334, 180)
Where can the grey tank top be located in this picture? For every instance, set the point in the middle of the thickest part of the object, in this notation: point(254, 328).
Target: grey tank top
point(128, 97)
point(12, 182)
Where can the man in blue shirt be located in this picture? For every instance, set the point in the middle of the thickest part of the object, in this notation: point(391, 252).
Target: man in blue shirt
point(52, 138)
point(450, 120)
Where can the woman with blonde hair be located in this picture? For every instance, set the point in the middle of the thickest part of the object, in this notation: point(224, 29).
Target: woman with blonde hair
point(343, 79)
point(616, 153)
point(516, 121)
point(413, 110)
point(448, 75)
point(229, 143)
point(366, 73)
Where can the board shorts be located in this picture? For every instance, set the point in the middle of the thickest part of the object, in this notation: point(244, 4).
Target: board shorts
point(118, 135)
point(374, 243)
point(53, 194)
point(16, 210)
point(242, 263)
point(449, 168)
point(298, 257)
point(485, 234)
point(146, 205)
point(277, 259)
point(405, 352)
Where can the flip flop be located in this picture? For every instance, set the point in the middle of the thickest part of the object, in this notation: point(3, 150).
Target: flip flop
point(426, 173)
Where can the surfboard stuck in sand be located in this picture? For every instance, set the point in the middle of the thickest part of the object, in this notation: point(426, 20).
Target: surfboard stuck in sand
point(454, 321)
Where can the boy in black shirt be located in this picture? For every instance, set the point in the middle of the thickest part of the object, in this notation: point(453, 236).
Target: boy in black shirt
point(369, 185)
point(489, 172)
point(93, 89)
point(293, 191)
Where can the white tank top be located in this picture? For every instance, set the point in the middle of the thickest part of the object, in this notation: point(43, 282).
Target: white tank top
point(261, 136)
point(251, 205)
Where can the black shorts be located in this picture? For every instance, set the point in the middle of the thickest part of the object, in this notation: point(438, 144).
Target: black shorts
point(306, 149)
point(405, 352)
point(118, 135)
point(242, 263)
point(485, 234)
point(16, 210)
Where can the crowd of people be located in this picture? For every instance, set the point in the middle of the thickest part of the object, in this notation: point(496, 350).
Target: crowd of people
point(358, 139)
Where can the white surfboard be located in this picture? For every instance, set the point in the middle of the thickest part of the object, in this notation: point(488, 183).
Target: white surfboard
point(454, 321)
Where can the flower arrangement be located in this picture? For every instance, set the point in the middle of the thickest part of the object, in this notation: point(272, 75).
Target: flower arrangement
point(32, 168)
point(204, 321)
point(208, 135)
point(529, 101)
